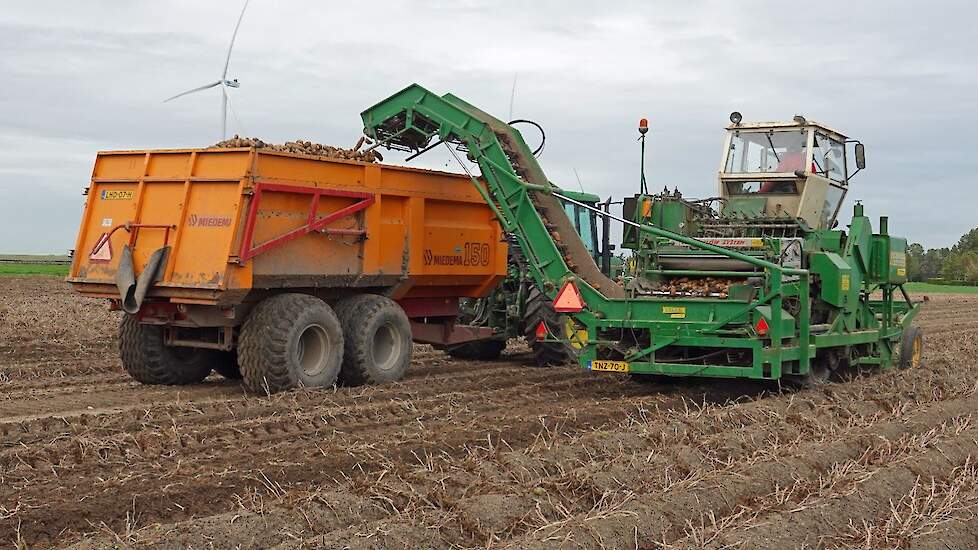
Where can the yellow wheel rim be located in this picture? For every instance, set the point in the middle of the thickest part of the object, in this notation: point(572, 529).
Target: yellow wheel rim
point(917, 353)
point(576, 336)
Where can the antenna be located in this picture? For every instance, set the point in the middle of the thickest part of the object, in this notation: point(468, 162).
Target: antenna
point(578, 176)
point(223, 82)
point(512, 96)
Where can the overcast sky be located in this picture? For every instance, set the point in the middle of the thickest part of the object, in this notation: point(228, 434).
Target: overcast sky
point(78, 77)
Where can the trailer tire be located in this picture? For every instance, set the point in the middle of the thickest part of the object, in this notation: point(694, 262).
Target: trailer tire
point(378, 340)
point(485, 350)
point(290, 340)
point(540, 309)
point(149, 360)
point(226, 364)
point(911, 348)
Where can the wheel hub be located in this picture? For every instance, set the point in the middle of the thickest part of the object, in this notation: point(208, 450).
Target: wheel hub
point(387, 344)
point(313, 349)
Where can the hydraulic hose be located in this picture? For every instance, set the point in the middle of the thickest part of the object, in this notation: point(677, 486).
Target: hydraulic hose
point(543, 135)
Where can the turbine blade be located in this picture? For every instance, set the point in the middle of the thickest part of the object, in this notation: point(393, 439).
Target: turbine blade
point(227, 61)
point(204, 87)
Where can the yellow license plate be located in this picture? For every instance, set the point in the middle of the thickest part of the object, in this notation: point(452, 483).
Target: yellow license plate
point(610, 366)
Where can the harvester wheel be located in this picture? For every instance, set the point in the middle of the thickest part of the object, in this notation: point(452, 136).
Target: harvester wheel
point(290, 340)
point(378, 340)
point(148, 360)
point(821, 371)
point(540, 309)
point(485, 350)
point(911, 348)
point(226, 364)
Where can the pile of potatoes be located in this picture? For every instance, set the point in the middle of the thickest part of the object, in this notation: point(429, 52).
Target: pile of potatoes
point(304, 147)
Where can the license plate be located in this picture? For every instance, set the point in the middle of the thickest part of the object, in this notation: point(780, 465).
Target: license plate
point(609, 366)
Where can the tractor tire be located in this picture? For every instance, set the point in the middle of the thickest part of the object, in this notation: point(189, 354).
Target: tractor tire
point(911, 348)
point(290, 340)
point(378, 340)
point(540, 309)
point(485, 350)
point(226, 364)
point(150, 361)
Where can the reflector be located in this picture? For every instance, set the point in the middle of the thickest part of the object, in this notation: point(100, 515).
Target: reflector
point(541, 333)
point(762, 327)
point(102, 251)
point(568, 299)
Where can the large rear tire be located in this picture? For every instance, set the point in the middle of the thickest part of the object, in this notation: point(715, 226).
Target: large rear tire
point(149, 360)
point(540, 309)
point(378, 340)
point(290, 340)
point(485, 350)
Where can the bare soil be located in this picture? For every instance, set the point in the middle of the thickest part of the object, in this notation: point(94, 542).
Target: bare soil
point(476, 454)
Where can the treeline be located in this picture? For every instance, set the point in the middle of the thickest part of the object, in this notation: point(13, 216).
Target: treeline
point(958, 263)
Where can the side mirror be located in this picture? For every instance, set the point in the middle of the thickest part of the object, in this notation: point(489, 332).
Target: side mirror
point(860, 156)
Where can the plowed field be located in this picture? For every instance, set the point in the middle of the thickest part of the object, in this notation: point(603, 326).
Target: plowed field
point(477, 454)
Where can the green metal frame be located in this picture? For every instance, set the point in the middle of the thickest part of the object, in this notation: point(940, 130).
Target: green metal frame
point(414, 117)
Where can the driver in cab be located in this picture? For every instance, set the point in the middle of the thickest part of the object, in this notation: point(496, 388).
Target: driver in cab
point(792, 160)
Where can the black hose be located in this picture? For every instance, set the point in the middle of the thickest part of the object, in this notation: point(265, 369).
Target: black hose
point(543, 135)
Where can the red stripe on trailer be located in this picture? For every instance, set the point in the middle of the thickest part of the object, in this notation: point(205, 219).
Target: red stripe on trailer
point(313, 223)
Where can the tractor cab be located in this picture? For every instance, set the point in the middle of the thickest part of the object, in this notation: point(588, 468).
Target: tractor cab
point(797, 170)
point(584, 220)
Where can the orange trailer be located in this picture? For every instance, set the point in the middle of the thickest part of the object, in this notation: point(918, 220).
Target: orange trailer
point(281, 268)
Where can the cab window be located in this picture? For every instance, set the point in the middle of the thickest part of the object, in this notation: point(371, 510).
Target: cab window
point(777, 151)
point(581, 218)
point(833, 200)
point(830, 157)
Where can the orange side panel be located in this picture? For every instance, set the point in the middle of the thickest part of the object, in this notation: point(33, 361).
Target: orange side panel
point(429, 234)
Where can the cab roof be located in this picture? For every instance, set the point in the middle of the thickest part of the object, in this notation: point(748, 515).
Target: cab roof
point(783, 125)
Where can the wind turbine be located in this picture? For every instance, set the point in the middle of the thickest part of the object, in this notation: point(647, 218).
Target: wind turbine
point(224, 83)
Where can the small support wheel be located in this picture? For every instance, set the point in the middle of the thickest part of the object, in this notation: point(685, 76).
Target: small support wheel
point(911, 348)
point(821, 371)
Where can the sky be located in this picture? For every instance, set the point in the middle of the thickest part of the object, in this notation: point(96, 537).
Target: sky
point(79, 77)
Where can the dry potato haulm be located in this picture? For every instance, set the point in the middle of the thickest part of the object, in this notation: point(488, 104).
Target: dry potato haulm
point(471, 453)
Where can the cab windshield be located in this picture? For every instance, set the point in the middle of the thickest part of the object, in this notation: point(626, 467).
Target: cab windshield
point(767, 151)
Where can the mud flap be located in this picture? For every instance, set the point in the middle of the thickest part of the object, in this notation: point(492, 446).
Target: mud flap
point(133, 290)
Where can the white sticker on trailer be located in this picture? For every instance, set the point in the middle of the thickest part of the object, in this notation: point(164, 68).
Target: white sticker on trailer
point(106, 222)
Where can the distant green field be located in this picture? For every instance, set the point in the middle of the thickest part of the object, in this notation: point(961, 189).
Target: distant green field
point(34, 269)
point(59, 270)
point(941, 289)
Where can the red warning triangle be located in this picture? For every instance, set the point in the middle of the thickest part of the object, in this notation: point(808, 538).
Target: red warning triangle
point(102, 251)
point(568, 299)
